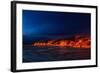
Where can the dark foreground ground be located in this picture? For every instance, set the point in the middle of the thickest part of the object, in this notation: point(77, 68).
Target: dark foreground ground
point(40, 54)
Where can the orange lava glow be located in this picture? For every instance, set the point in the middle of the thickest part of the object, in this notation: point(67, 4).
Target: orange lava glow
point(77, 42)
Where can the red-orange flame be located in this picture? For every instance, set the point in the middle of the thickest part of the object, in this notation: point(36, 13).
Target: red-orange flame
point(83, 42)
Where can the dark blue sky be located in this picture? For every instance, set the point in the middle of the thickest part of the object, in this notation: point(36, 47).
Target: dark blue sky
point(46, 22)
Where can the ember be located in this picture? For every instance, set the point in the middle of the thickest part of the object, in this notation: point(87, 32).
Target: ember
point(77, 42)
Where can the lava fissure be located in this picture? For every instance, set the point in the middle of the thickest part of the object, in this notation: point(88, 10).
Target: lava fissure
point(77, 42)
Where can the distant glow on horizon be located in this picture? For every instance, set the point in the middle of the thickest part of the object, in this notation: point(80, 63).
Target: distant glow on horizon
point(78, 42)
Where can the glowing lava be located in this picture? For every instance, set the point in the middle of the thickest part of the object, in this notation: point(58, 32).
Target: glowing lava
point(77, 42)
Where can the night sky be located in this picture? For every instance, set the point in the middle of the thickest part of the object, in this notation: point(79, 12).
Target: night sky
point(47, 22)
